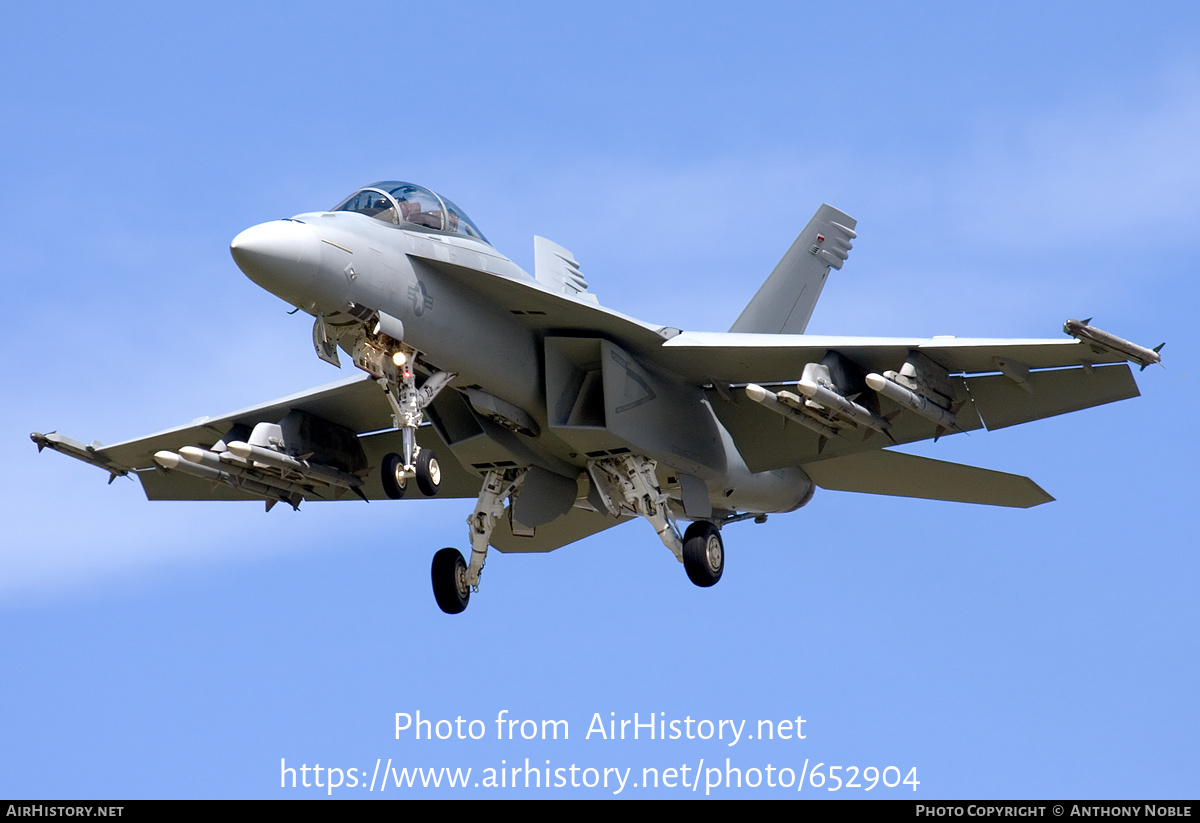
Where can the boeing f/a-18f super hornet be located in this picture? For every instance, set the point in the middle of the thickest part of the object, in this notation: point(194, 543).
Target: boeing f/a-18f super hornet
point(562, 418)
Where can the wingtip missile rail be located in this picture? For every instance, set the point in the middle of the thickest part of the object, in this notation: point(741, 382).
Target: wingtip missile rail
point(86, 453)
point(1082, 330)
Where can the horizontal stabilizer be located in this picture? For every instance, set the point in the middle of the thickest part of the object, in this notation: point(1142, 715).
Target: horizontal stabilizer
point(906, 475)
point(785, 302)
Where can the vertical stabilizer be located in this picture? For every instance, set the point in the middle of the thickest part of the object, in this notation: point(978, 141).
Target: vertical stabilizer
point(786, 300)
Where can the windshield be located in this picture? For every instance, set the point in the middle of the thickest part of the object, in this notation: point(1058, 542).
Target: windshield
point(407, 204)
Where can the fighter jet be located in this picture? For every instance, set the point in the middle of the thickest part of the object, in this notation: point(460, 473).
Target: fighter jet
point(562, 418)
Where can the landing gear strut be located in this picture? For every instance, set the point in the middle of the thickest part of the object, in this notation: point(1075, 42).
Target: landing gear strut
point(392, 365)
point(453, 578)
point(624, 485)
point(628, 485)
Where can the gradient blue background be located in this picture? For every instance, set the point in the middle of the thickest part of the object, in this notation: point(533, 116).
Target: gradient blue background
point(1011, 165)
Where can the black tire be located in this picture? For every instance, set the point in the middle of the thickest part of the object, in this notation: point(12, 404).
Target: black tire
point(703, 553)
point(449, 574)
point(391, 471)
point(429, 472)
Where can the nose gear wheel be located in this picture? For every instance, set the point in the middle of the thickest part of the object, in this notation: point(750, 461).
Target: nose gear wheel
point(429, 472)
point(395, 480)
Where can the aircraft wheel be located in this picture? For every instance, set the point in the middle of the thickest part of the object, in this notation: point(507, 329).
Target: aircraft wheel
point(703, 553)
point(392, 473)
point(429, 472)
point(450, 588)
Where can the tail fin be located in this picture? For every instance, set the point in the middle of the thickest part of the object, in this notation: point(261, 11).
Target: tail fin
point(786, 300)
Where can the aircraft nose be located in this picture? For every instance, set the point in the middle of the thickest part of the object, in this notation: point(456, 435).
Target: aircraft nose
point(282, 256)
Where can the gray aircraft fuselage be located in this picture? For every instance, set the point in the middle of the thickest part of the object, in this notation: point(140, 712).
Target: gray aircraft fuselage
point(327, 262)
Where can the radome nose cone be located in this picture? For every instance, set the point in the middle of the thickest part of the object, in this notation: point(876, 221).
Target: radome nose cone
point(281, 256)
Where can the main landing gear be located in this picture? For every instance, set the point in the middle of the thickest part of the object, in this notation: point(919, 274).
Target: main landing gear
point(628, 485)
point(624, 485)
point(703, 553)
point(453, 578)
point(450, 587)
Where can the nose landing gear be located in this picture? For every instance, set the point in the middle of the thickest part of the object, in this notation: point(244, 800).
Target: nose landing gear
point(392, 364)
point(395, 474)
point(429, 473)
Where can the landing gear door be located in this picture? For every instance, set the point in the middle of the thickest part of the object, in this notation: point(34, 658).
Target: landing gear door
point(696, 504)
point(327, 349)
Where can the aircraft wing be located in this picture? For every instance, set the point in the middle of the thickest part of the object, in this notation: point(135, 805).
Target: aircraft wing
point(996, 383)
point(356, 404)
point(778, 357)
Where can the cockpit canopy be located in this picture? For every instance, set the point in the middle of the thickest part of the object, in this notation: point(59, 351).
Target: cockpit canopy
point(405, 204)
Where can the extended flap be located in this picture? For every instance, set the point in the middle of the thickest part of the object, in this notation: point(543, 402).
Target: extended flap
point(1003, 402)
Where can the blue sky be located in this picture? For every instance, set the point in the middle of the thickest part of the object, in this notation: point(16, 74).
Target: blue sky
point(1010, 165)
